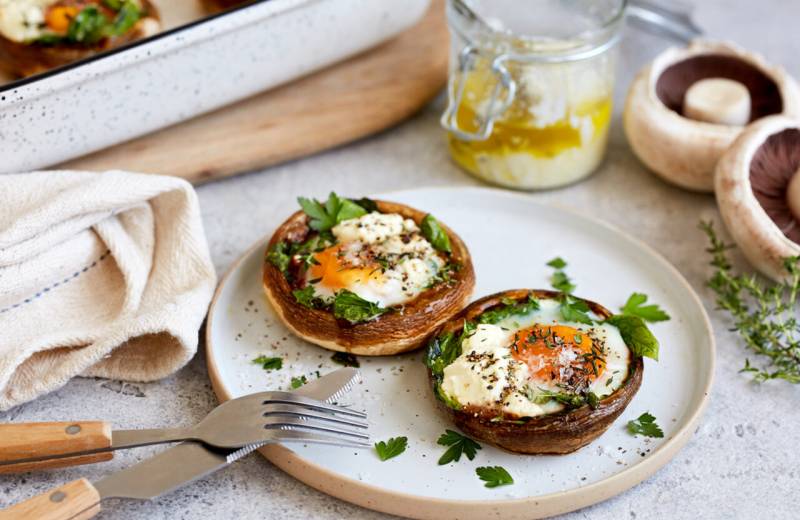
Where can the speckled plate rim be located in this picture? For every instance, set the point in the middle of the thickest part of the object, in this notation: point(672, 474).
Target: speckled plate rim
point(414, 506)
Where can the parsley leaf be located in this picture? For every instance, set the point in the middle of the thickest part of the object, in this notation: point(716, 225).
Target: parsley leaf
point(297, 382)
point(573, 309)
point(635, 307)
point(269, 363)
point(510, 308)
point(434, 233)
point(559, 280)
point(307, 297)
point(494, 476)
point(636, 335)
point(323, 217)
point(127, 16)
point(391, 448)
point(349, 306)
point(645, 425)
point(458, 444)
point(346, 359)
point(87, 26)
point(279, 256)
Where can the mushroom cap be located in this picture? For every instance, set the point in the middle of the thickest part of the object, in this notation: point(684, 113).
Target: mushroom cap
point(556, 433)
point(391, 333)
point(685, 151)
point(751, 182)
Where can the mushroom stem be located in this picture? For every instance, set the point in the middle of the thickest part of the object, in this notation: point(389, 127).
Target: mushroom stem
point(718, 100)
point(793, 195)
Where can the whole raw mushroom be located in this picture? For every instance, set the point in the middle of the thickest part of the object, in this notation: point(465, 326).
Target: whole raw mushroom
point(758, 191)
point(686, 108)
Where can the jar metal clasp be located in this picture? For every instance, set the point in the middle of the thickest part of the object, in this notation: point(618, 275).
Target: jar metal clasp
point(506, 85)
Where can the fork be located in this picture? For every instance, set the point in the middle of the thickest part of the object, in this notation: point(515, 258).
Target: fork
point(260, 418)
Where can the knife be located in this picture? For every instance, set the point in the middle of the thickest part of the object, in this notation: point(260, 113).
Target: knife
point(160, 474)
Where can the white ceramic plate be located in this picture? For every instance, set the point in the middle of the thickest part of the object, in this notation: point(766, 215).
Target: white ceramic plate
point(510, 238)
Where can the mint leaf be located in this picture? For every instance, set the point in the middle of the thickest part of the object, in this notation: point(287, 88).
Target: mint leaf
point(636, 335)
point(494, 476)
point(349, 306)
point(510, 308)
point(269, 363)
point(434, 233)
point(557, 263)
point(323, 217)
point(391, 448)
point(635, 307)
point(127, 16)
point(88, 26)
point(458, 444)
point(346, 359)
point(645, 425)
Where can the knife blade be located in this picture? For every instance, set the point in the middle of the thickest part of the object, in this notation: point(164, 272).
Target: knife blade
point(189, 461)
point(162, 473)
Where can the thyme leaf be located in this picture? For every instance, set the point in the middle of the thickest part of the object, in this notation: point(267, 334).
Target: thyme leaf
point(763, 313)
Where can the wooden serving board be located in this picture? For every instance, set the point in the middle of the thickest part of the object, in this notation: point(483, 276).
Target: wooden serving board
point(339, 104)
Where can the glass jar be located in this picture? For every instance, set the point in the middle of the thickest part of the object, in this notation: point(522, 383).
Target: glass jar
point(530, 90)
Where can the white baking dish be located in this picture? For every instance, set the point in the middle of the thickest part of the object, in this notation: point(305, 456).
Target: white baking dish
point(185, 71)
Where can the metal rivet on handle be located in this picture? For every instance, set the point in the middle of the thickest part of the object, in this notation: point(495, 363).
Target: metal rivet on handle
point(72, 429)
point(58, 496)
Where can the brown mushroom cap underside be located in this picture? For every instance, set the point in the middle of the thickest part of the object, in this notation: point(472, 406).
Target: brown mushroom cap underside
point(558, 433)
point(21, 59)
point(392, 333)
point(682, 150)
point(750, 185)
point(675, 80)
point(773, 165)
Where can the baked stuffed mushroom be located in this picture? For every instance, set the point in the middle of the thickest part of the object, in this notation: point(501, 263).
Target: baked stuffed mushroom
point(537, 372)
point(216, 6)
point(38, 35)
point(365, 276)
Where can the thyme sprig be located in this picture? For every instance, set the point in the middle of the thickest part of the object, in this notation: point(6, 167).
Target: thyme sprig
point(764, 313)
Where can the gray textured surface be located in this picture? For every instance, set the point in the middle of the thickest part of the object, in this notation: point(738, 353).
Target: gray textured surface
point(742, 463)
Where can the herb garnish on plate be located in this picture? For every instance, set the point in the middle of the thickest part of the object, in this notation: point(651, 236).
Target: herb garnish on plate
point(645, 425)
point(458, 444)
point(494, 476)
point(391, 448)
point(269, 363)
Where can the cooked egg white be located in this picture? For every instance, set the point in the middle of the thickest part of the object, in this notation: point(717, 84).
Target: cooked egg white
point(383, 258)
point(27, 20)
point(510, 365)
point(23, 20)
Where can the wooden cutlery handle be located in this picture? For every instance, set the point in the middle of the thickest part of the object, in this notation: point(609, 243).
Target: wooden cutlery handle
point(76, 500)
point(53, 439)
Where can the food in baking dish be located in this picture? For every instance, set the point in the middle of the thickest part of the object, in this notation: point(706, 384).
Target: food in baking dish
point(37, 35)
point(365, 276)
point(537, 371)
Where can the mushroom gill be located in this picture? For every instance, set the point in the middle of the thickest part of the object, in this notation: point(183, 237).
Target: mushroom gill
point(676, 79)
point(774, 165)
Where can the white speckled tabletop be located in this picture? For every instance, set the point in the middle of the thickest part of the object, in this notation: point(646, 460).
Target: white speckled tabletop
point(743, 461)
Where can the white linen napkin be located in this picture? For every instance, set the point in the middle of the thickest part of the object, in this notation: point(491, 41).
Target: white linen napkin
point(103, 275)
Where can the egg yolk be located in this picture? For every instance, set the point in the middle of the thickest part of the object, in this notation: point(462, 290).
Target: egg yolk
point(335, 272)
point(549, 349)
